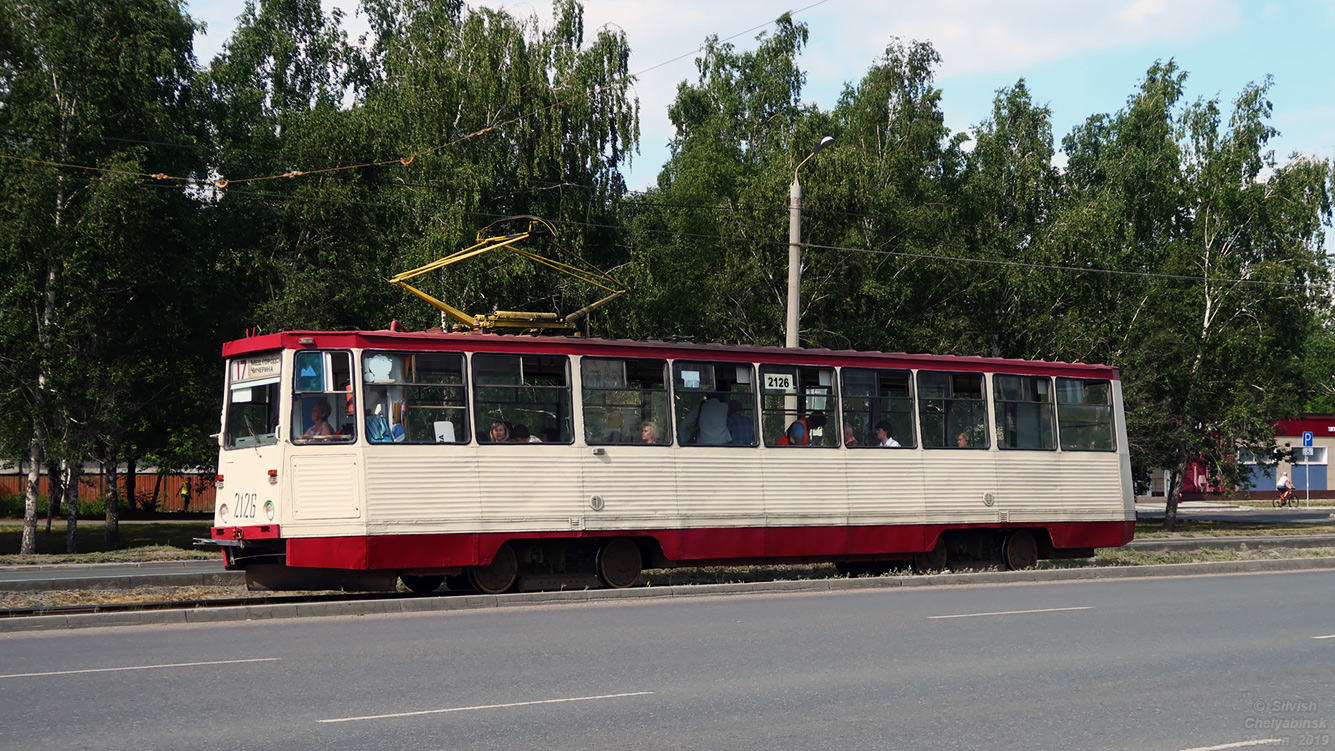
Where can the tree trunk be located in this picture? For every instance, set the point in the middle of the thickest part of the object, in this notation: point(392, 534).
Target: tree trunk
point(54, 496)
point(28, 543)
point(111, 533)
point(1171, 498)
point(71, 482)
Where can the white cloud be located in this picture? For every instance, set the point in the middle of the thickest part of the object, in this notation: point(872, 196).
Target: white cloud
point(975, 35)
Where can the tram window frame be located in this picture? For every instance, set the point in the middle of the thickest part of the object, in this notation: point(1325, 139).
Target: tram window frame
point(248, 426)
point(873, 406)
point(789, 393)
point(1076, 418)
point(403, 397)
point(940, 402)
point(1023, 406)
point(531, 373)
point(323, 375)
point(603, 412)
point(695, 382)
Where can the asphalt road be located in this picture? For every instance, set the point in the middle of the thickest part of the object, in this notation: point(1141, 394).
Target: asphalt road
point(1169, 663)
point(1223, 512)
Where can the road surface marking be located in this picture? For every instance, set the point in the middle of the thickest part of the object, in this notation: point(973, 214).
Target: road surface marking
point(1008, 612)
point(486, 706)
point(1239, 744)
point(1328, 636)
point(140, 667)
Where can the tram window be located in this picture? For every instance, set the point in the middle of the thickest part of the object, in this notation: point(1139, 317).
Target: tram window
point(625, 401)
point(714, 403)
point(1023, 407)
point(252, 414)
point(797, 405)
point(953, 410)
point(414, 397)
point(532, 391)
point(877, 398)
point(1084, 415)
point(322, 400)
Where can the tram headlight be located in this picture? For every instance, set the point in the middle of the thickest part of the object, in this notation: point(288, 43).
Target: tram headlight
point(269, 509)
point(223, 515)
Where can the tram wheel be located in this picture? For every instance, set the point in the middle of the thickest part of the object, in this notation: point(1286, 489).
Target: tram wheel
point(499, 575)
point(1019, 551)
point(421, 585)
point(619, 563)
point(931, 562)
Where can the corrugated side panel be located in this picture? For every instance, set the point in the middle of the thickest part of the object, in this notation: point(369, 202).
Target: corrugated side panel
point(325, 486)
point(885, 486)
point(635, 484)
point(1070, 486)
point(530, 487)
point(1028, 480)
point(719, 487)
point(805, 486)
point(955, 484)
point(523, 488)
point(433, 486)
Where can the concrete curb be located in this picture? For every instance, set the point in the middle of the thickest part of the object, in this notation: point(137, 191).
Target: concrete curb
point(527, 599)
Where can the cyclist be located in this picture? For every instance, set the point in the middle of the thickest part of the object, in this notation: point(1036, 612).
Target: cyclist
point(1285, 488)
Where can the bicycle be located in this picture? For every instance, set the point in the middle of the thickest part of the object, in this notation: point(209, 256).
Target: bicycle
point(1285, 499)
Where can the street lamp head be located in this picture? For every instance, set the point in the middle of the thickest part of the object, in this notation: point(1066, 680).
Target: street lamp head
point(826, 141)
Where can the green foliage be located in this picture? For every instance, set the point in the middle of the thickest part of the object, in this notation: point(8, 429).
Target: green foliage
point(11, 507)
point(103, 279)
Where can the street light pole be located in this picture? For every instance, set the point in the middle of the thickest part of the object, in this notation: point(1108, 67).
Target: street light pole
point(795, 248)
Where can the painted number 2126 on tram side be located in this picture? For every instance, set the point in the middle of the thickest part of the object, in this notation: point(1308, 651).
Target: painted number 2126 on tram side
point(493, 462)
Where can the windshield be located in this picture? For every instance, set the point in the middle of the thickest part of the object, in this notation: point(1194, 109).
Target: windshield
point(252, 414)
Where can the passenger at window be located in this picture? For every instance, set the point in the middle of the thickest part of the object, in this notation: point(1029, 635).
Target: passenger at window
point(707, 423)
point(885, 437)
point(320, 427)
point(548, 435)
point(962, 440)
point(739, 425)
point(850, 440)
point(521, 435)
point(500, 431)
point(799, 433)
point(649, 432)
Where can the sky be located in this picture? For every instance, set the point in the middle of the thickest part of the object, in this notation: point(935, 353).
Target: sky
point(1078, 58)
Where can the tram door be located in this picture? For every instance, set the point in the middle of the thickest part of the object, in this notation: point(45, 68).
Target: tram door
point(628, 471)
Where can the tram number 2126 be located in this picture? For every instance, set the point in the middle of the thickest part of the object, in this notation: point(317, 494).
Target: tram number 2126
point(246, 506)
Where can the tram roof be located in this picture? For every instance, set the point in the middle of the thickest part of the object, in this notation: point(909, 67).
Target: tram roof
point(438, 340)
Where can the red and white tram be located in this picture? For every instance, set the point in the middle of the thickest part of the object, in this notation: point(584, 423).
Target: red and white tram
point(349, 458)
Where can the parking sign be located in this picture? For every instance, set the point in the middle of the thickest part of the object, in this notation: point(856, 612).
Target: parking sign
point(1307, 438)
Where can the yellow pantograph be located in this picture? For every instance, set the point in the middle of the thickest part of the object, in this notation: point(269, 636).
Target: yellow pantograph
point(510, 321)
